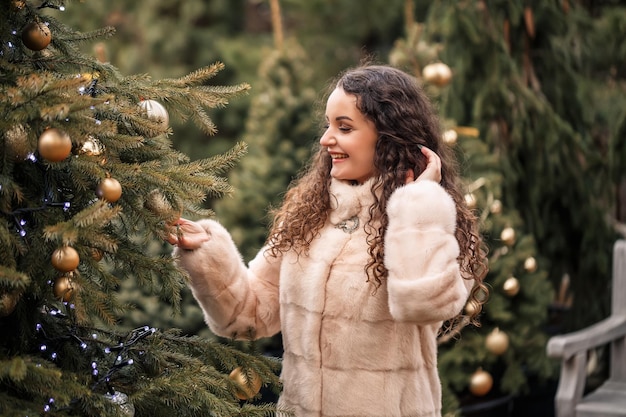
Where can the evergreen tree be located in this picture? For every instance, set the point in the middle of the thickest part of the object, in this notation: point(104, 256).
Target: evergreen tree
point(88, 182)
point(502, 356)
point(543, 81)
point(279, 132)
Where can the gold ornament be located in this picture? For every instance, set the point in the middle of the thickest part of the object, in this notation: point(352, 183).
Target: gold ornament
point(470, 200)
point(245, 389)
point(530, 264)
point(18, 4)
point(471, 308)
point(54, 145)
point(17, 142)
point(437, 73)
point(65, 259)
point(92, 147)
point(496, 207)
point(450, 136)
point(36, 36)
point(511, 286)
point(125, 405)
point(497, 342)
point(508, 236)
point(155, 111)
point(63, 288)
point(160, 206)
point(109, 189)
point(8, 302)
point(480, 382)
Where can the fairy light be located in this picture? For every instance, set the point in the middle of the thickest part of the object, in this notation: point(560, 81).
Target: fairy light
point(101, 378)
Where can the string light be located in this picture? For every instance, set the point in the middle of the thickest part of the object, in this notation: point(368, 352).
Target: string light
point(121, 359)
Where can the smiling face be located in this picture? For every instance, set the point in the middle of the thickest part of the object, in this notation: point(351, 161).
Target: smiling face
point(350, 138)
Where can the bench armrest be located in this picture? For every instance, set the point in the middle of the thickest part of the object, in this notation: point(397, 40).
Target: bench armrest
point(598, 334)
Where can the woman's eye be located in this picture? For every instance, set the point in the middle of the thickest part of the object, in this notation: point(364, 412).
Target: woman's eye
point(345, 128)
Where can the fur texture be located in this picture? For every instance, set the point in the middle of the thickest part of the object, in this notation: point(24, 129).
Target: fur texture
point(348, 351)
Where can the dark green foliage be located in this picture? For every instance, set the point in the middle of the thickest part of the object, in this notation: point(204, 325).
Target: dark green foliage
point(53, 343)
point(280, 132)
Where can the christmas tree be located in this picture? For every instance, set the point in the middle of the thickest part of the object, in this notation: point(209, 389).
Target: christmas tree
point(542, 82)
point(497, 361)
point(89, 181)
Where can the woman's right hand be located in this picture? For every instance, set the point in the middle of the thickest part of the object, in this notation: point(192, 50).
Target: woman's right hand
point(187, 234)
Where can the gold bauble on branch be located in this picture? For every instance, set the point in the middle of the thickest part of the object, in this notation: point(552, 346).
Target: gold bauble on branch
point(54, 145)
point(530, 264)
point(437, 73)
point(16, 143)
point(496, 207)
point(18, 4)
point(155, 111)
point(470, 200)
point(481, 382)
point(511, 286)
point(497, 342)
point(109, 189)
point(8, 301)
point(65, 259)
point(245, 389)
point(161, 207)
point(92, 147)
point(508, 236)
point(450, 136)
point(63, 288)
point(471, 308)
point(36, 36)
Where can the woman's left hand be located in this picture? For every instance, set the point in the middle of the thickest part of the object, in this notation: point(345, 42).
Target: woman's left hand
point(431, 172)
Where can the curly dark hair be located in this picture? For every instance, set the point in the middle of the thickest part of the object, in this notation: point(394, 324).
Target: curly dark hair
point(404, 118)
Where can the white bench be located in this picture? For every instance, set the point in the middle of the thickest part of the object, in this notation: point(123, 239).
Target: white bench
point(608, 400)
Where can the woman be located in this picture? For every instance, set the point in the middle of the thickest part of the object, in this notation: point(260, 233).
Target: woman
point(371, 252)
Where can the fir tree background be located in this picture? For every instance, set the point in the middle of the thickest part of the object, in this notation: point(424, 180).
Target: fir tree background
point(533, 104)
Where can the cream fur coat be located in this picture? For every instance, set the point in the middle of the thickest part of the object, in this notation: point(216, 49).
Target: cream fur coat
point(347, 352)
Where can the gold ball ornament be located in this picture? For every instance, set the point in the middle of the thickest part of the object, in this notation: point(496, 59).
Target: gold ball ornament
point(16, 143)
point(471, 308)
point(511, 286)
point(92, 147)
point(470, 200)
point(481, 382)
point(245, 389)
point(54, 145)
point(497, 342)
point(36, 36)
point(63, 288)
point(496, 207)
point(161, 207)
point(450, 136)
point(109, 189)
point(508, 236)
point(65, 259)
point(155, 111)
point(437, 73)
point(18, 4)
point(8, 302)
point(530, 264)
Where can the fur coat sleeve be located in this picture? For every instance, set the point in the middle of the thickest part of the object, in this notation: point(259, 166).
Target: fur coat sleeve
point(421, 251)
point(239, 301)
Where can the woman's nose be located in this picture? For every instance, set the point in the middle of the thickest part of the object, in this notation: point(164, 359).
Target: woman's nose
point(327, 139)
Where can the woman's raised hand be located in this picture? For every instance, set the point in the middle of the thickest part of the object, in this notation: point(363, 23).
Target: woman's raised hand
point(187, 234)
point(433, 168)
